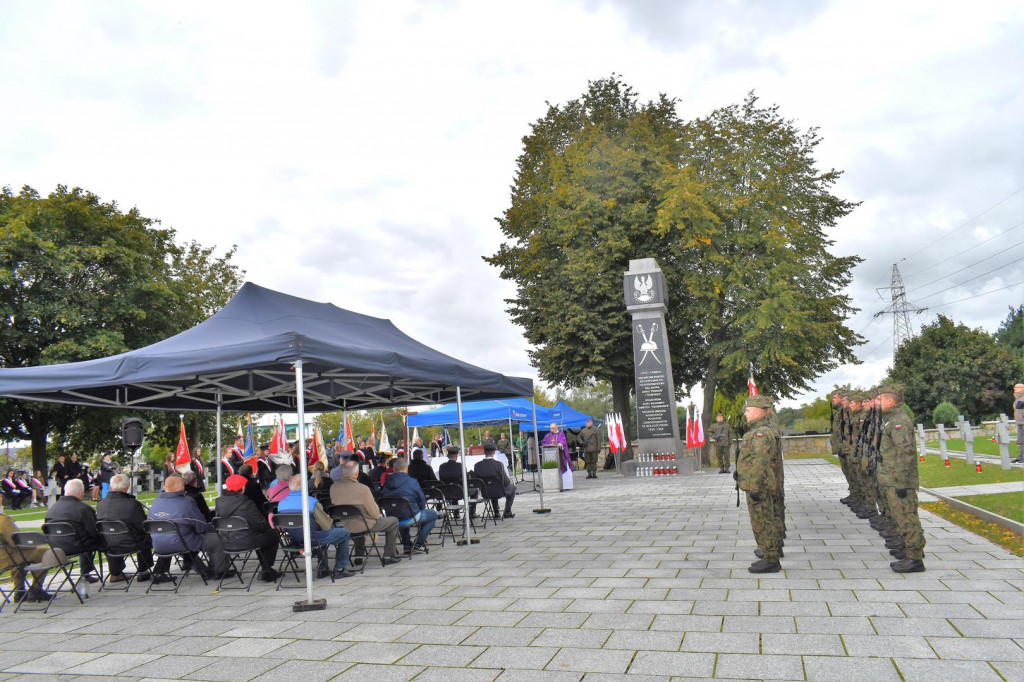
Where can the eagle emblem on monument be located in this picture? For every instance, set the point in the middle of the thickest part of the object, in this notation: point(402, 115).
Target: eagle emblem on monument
point(643, 286)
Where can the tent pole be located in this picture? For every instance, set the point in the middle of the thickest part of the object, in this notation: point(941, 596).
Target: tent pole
point(511, 447)
point(307, 551)
point(467, 532)
point(540, 469)
point(216, 456)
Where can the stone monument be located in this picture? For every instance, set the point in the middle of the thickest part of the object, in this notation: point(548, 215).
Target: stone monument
point(657, 420)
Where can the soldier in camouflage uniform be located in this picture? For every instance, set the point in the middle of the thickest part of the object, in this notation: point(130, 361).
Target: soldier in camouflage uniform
point(757, 467)
point(897, 476)
point(721, 439)
point(883, 523)
point(836, 439)
point(590, 443)
point(859, 408)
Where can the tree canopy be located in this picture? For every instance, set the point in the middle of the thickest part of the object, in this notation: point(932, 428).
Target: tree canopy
point(951, 362)
point(731, 205)
point(82, 279)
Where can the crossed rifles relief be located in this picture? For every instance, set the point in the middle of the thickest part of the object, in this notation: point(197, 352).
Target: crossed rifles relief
point(649, 347)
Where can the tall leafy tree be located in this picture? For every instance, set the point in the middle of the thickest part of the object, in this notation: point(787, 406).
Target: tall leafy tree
point(732, 206)
point(82, 279)
point(1010, 334)
point(951, 362)
point(584, 203)
point(763, 288)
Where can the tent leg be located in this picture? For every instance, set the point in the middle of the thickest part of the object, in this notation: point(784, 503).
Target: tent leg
point(309, 604)
point(216, 455)
point(536, 446)
point(467, 536)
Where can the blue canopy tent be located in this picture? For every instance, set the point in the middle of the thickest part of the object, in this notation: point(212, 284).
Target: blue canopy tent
point(266, 351)
point(563, 415)
point(481, 412)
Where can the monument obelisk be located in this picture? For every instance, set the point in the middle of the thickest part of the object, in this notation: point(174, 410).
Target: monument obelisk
point(657, 419)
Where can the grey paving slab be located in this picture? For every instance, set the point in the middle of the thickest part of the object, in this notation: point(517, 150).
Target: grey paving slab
point(601, 588)
point(923, 670)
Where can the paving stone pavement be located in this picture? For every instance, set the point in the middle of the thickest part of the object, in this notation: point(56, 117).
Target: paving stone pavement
point(642, 579)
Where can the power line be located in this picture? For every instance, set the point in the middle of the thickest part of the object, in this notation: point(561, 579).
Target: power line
point(966, 268)
point(954, 286)
point(984, 293)
point(876, 348)
point(957, 255)
point(995, 205)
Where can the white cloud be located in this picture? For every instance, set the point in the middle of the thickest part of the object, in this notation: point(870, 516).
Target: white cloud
point(359, 152)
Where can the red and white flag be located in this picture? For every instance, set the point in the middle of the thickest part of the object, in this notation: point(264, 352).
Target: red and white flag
point(698, 428)
point(689, 429)
point(350, 443)
point(613, 439)
point(317, 451)
point(751, 386)
point(182, 459)
point(620, 435)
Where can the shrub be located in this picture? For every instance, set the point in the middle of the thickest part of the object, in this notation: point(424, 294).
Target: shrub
point(945, 413)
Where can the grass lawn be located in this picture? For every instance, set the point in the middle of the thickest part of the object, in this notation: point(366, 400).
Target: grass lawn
point(935, 474)
point(982, 446)
point(1010, 505)
point(996, 534)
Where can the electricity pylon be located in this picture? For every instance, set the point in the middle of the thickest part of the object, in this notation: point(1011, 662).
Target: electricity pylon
point(900, 308)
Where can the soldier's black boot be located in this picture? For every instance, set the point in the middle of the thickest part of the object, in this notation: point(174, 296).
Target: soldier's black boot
point(867, 514)
point(845, 500)
point(764, 566)
point(895, 544)
point(908, 566)
point(900, 554)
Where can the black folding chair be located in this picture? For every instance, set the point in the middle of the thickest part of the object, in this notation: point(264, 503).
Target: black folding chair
point(30, 540)
point(239, 542)
point(399, 507)
point(492, 490)
point(14, 560)
point(455, 505)
point(348, 512)
point(292, 549)
point(119, 544)
point(435, 499)
point(64, 536)
point(186, 559)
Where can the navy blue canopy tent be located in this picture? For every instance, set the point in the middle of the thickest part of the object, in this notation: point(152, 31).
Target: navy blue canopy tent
point(266, 351)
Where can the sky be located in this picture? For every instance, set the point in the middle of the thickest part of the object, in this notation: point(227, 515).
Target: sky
point(359, 152)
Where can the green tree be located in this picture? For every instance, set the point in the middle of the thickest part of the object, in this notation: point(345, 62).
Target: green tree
point(1010, 334)
point(593, 398)
point(81, 279)
point(950, 361)
point(945, 413)
point(583, 204)
point(763, 288)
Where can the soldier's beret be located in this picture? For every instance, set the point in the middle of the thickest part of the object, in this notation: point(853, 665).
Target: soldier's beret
point(761, 401)
point(892, 389)
point(453, 449)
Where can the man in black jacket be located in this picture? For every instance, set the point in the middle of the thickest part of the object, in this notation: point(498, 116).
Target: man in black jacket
point(493, 470)
point(451, 471)
point(234, 503)
point(420, 470)
point(193, 492)
point(70, 509)
point(120, 505)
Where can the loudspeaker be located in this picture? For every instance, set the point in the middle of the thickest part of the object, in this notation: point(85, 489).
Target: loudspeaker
point(131, 433)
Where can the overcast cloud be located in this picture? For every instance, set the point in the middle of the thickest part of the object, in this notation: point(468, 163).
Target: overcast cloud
point(358, 153)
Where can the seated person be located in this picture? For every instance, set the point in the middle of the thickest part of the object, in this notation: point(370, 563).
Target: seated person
point(379, 473)
point(350, 491)
point(401, 484)
point(193, 492)
point(70, 509)
point(12, 556)
point(252, 488)
point(490, 468)
point(319, 481)
point(279, 490)
point(420, 470)
point(451, 471)
point(14, 496)
point(119, 505)
point(234, 503)
point(322, 530)
point(198, 533)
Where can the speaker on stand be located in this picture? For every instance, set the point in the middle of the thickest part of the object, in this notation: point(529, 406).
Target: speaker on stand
point(132, 430)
